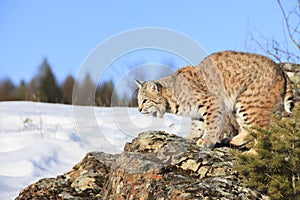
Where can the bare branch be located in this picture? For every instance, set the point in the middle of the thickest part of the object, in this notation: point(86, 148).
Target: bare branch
point(265, 49)
point(286, 19)
point(289, 49)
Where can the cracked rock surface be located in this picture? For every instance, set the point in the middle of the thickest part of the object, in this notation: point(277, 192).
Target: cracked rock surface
point(155, 165)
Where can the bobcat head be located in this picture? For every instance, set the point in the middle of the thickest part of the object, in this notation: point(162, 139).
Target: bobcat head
point(150, 98)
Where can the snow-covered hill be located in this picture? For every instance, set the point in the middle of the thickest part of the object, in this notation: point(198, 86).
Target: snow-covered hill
point(40, 140)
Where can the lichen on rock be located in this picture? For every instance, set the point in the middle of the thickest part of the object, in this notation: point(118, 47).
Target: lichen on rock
point(155, 165)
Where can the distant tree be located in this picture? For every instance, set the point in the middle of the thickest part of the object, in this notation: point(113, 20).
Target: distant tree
point(84, 93)
point(6, 90)
point(104, 94)
point(133, 99)
point(47, 85)
point(32, 91)
point(67, 89)
point(21, 91)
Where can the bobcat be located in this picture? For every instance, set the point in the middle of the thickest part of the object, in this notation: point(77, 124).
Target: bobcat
point(246, 87)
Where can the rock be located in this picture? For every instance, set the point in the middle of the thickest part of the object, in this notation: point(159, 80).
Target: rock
point(84, 181)
point(155, 165)
point(293, 71)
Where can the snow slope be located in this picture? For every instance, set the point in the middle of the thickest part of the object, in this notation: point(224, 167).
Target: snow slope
point(39, 140)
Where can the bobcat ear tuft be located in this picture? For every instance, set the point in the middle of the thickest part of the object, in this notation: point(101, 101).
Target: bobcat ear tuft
point(138, 83)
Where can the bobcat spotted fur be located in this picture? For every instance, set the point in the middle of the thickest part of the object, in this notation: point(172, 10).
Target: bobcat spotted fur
point(243, 86)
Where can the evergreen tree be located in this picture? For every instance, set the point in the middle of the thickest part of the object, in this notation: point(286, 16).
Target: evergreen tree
point(104, 93)
point(32, 93)
point(21, 91)
point(6, 90)
point(67, 89)
point(275, 170)
point(47, 85)
point(133, 99)
point(85, 92)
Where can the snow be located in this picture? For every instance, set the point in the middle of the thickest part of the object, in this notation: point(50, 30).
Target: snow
point(39, 140)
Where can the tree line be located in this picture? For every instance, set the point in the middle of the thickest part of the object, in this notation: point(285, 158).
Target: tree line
point(43, 87)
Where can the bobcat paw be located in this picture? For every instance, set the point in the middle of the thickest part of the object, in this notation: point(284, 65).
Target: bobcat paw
point(193, 135)
point(205, 143)
point(238, 141)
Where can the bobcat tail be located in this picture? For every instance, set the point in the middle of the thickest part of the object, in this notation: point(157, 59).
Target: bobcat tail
point(288, 97)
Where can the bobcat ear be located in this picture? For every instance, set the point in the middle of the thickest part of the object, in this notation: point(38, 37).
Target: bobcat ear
point(155, 86)
point(138, 83)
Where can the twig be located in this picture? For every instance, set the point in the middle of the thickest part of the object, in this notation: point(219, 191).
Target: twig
point(286, 19)
point(274, 180)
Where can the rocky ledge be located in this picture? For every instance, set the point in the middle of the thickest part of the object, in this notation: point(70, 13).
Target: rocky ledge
point(155, 165)
point(293, 71)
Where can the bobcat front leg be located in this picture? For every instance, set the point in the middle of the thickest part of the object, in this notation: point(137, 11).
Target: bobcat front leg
point(197, 128)
point(213, 115)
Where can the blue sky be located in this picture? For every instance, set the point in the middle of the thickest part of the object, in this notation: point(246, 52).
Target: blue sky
point(66, 31)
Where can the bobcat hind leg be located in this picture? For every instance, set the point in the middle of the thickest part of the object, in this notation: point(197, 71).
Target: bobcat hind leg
point(254, 108)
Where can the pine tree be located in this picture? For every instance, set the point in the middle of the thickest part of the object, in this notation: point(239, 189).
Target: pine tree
point(84, 92)
point(104, 93)
point(21, 91)
point(275, 170)
point(32, 93)
point(6, 90)
point(47, 85)
point(67, 89)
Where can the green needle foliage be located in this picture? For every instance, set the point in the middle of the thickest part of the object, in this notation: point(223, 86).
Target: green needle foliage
point(275, 170)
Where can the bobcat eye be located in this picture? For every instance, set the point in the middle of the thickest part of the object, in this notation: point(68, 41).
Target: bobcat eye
point(144, 101)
